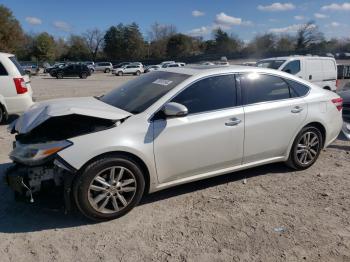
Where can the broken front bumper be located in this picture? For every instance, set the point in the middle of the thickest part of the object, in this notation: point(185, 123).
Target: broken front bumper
point(16, 178)
point(26, 181)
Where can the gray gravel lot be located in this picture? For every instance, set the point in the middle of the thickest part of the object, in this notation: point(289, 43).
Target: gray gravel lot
point(278, 215)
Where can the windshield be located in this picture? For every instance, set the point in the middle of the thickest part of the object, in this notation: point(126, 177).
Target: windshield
point(273, 64)
point(137, 95)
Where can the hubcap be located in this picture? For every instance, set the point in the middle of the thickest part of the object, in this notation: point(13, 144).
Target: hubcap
point(112, 189)
point(308, 147)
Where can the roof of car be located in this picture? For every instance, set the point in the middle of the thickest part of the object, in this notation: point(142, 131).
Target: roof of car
point(204, 70)
point(6, 54)
point(296, 57)
point(210, 69)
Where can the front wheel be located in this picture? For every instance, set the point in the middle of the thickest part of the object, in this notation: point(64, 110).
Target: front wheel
point(306, 148)
point(120, 73)
point(107, 70)
point(109, 188)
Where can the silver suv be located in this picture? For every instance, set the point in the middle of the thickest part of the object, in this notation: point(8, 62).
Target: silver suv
point(105, 67)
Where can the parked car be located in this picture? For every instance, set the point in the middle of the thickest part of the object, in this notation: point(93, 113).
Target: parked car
point(15, 90)
point(133, 69)
point(166, 63)
point(346, 112)
point(167, 128)
point(152, 68)
point(321, 71)
point(207, 63)
point(105, 67)
point(71, 70)
point(30, 68)
point(121, 65)
point(174, 65)
point(55, 66)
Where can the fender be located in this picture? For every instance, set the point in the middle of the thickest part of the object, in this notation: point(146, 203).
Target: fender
point(3, 103)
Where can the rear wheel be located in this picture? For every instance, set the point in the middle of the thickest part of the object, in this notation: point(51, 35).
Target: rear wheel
point(138, 73)
point(83, 75)
point(107, 70)
point(59, 75)
point(109, 188)
point(306, 148)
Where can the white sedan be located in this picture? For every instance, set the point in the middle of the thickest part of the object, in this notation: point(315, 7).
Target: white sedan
point(167, 128)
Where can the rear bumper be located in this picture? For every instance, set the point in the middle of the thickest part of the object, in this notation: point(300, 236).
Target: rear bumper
point(19, 104)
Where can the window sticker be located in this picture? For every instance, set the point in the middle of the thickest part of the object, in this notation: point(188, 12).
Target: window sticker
point(162, 82)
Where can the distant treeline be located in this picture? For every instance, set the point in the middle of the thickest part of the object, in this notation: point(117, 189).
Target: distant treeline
point(126, 43)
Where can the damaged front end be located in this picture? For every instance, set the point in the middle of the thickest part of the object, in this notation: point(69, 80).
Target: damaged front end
point(45, 130)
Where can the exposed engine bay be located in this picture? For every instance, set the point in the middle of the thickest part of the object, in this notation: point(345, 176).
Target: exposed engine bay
point(43, 131)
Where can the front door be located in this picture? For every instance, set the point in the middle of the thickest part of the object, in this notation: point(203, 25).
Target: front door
point(210, 138)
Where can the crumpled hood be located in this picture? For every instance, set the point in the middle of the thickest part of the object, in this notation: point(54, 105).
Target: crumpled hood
point(86, 106)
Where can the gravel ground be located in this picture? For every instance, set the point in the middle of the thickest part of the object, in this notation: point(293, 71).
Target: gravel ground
point(268, 213)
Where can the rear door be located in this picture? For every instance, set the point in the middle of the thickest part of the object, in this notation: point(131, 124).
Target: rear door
point(273, 115)
point(208, 139)
point(7, 87)
point(329, 73)
point(314, 71)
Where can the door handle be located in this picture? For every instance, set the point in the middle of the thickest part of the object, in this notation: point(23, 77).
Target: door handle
point(297, 109)
point(233, 122)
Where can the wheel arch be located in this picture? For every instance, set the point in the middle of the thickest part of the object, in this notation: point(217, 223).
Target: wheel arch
point(320, 127)
point(316, 124)
point(128, 155)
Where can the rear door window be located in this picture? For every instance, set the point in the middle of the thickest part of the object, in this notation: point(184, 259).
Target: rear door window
point(264, 88)
point(297, 89)
point(18, 66)
point(3, 71)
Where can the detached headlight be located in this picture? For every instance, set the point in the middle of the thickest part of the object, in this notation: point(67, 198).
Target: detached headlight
point(34, 154)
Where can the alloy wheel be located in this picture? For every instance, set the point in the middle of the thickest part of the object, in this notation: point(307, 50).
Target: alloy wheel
point(112, 189)
point(307, 148)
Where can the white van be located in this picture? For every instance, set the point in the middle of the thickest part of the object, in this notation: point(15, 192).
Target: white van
point(15, 89)
point(321, 71)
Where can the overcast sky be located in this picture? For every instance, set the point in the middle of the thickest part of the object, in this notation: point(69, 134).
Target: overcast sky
point(195, 17)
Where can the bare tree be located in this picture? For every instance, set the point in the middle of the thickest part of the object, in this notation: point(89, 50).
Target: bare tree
point(93, 39)
point(160, 32)
point(308, 35)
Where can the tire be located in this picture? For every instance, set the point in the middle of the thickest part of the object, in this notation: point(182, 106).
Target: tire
point(138, 73)
point(83, 75)
point(120, 73)
point(107, 70)
point(2, 115)
point(105, 201)
point(59, 75)
point(306, 148)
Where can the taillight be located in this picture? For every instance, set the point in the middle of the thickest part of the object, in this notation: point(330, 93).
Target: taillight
point(338, 102)
point(20, 84)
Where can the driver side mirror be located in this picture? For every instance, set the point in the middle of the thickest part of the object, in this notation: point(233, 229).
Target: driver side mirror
point(173, 109)
point(288, 71)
